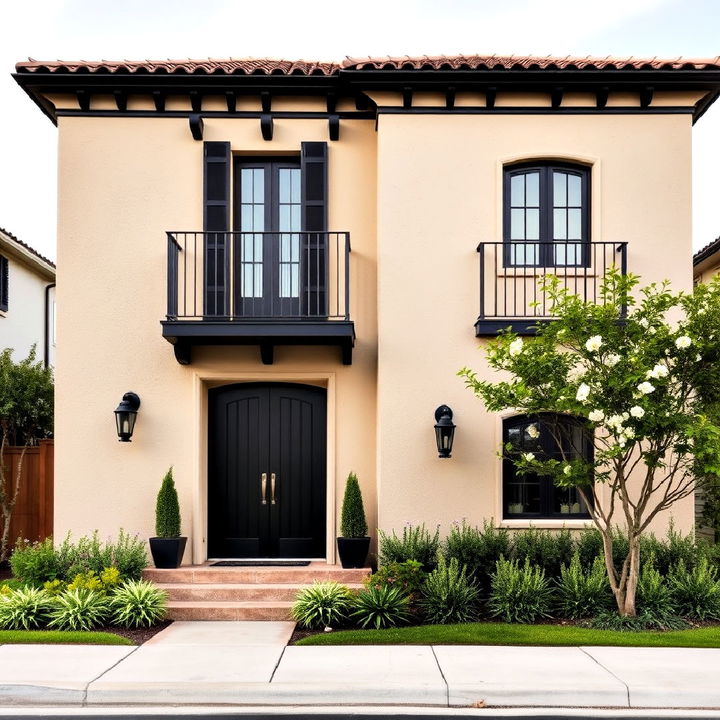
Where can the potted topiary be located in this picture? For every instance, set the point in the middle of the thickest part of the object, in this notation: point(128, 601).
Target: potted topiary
point(353, 543)
point(168, 547)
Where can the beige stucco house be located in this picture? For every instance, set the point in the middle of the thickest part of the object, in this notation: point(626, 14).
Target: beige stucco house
point(288, 262)
point(27, 300)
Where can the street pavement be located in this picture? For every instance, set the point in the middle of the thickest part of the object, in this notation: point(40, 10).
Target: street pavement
point(248, 664)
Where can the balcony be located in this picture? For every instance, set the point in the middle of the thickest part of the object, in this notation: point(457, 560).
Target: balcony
point(258, 288)
point(509, 274)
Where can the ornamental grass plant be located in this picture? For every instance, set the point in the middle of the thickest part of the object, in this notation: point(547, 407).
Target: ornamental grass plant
point(323, 604)
point(415, 543)
point(381, 607)
point(448, 596)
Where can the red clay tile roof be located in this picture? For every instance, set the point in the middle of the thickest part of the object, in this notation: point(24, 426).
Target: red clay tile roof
point(707, 251)
point(27, 247)
point(523, 62)
point(230, 66)
point(264, 66)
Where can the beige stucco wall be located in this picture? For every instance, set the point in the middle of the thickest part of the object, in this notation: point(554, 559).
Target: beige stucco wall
point(439, 194)
point(122, 184)
point(23, 324)
point(417, 195)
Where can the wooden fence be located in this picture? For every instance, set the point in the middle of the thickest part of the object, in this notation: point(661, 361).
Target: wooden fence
point(33, 514)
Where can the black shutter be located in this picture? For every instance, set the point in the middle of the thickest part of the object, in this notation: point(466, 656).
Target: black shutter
point(314, 222)
point(216, 223)
point(4, 277)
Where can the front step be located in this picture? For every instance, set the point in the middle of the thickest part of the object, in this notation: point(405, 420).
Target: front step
point(256, 610)
point(234, 592)
point(202, 592)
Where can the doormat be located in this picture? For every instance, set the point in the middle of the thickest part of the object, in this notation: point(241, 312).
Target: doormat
point(260, 563)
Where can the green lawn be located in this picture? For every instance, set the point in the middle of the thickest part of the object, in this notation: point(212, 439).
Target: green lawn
point(504, 634)
point(59, 637)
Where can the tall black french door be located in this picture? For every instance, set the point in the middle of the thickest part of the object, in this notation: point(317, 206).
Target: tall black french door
point(267, 471)
point(267, 260)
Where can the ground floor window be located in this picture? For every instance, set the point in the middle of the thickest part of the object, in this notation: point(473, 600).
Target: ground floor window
point(548, 436)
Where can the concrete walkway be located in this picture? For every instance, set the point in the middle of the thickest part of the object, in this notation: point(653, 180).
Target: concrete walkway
point(248, 664)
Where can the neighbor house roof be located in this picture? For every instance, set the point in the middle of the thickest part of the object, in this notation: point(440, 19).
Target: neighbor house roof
point(706, 252)
point(18, 249)
point(267, 66)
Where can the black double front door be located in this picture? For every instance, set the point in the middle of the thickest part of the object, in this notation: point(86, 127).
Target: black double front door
point(267, 471)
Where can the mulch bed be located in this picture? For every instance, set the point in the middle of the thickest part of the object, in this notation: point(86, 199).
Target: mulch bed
point(138, 636)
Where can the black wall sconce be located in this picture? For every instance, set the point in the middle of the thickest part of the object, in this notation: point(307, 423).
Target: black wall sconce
point(444, 431)
point(125, 416)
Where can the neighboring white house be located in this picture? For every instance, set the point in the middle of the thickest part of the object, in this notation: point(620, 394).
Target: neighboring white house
point(27, 300)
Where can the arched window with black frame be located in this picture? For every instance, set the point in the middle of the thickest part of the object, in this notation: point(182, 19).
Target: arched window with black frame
point(548, 436)
point(546, 215)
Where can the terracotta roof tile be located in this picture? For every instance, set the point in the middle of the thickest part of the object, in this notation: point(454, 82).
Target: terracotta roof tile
point(229, 66)
point(27, 247)
point(265, 66)
point(524, 62)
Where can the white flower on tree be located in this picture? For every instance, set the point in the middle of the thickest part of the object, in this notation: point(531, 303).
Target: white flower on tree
point(659, 371)
point(533, 431)
point(683, 342)
point(596, 415)
point(529, 457)
point(646, 388)
point(593, 344)
point(636, 411)
point(567, 469)
point(583, 392)
point(612, 359)
point(516, 347)
point(576, 372)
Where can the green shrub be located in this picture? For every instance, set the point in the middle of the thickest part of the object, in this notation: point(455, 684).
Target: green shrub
point(87, 580)
point(544, 549)
point(380, 607)
point(589, 546)
point(167, 509)
point(54, 587)
point(24, 609)
point(79, 609)
point(127, 554)
point(519, 594)
point(582, 594)
point(408, 576)
point(352, 522)
point(695, 592)
point(478, 550)
point(138, 603)
point(670, 551)
point(323, 604)
point(611, 620)
point(448, 595)
point(34, 563)
point(653, 593)
point(416, 543)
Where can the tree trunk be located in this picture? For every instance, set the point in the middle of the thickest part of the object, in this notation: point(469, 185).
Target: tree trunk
point(628, 609)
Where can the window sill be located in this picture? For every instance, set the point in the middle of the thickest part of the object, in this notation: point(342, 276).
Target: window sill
point(546, 524)
point(531, 272)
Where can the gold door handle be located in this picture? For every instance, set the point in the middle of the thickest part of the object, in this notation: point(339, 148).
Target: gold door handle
point(272, 488)
point(263, 488)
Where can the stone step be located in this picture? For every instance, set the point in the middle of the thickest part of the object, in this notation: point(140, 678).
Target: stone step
point(257, 575)
point(219, 610)
point(237, 592)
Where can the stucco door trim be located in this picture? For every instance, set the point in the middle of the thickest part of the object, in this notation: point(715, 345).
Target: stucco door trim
point(202, 382)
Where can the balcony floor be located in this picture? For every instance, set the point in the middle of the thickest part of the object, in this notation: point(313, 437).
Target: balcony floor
point(186, 334)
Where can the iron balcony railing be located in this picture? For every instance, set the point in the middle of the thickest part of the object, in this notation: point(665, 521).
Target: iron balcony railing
point(510, 271)
point(242, 276)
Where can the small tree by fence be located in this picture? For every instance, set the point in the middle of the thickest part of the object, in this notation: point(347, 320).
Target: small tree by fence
point(26, 411)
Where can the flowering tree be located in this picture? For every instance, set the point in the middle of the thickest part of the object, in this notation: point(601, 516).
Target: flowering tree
point(640, 371)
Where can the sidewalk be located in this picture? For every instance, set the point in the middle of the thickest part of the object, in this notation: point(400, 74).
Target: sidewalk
point(248, 664)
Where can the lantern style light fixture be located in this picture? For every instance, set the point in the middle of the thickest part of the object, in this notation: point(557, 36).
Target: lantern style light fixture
point(125, 416)
point(444, 431)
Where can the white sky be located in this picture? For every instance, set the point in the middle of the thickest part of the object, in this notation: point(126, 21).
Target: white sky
point(325, 30)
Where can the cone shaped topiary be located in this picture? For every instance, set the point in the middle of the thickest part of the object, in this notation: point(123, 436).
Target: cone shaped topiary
point(167, 509)
point(353, 523)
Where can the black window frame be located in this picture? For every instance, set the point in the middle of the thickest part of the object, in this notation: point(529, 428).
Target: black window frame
point(4, 283)
point(548, 448)
point(546, 240)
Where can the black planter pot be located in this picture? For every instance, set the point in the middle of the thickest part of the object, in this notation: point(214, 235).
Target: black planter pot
point(167, 552)
point(353, 551)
